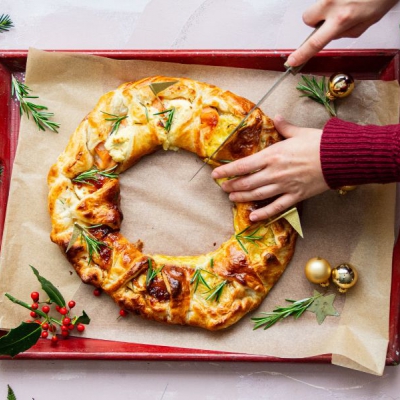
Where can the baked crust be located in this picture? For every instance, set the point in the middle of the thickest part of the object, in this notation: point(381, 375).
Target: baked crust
point(185, 289)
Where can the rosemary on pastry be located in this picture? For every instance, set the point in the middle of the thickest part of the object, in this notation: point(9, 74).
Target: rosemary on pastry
point(168, 123)
point(116, 119)
point(38, 112)
point(216, 291)
point(252, 237)
point(146, 111)
point(152, 273)
point(5, 23)
point(199, 278)
point(92, 175)
point(92, 244)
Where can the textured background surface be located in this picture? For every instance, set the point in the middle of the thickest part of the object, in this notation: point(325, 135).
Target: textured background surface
point(182, 24)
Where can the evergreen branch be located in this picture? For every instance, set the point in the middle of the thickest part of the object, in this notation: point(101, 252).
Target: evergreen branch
point(317, 91)
point(116, 119)
point(296, 309)
point(216, 291)
point(38, 112)
point(92, 175)
point(5, 23)
point(152, 273)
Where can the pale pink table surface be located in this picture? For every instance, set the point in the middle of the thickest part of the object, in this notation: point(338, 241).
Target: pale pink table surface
point(182, 24)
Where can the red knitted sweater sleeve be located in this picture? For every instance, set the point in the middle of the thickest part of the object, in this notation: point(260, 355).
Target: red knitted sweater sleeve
point(354, 154)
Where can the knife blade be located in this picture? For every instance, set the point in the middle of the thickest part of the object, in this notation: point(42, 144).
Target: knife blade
point(289, 70)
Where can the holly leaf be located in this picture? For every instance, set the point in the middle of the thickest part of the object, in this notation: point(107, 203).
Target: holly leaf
point(20, 339)
point(83, 319)
point(323, 306)
point(53, 293)
point(157, 87)
point(10, 394)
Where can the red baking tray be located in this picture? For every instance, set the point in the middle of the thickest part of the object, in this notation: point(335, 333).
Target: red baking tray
point(362, 64)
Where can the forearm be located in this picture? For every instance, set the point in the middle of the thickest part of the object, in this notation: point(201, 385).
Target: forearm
point(353, 154)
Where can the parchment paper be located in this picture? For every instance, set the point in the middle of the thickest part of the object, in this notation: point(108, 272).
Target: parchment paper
point(173, 216)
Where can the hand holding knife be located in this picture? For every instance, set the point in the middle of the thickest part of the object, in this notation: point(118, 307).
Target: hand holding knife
point(289, 70)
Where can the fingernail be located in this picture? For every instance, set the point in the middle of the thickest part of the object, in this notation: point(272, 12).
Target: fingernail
point(253, 217)
point(215, 174)
point(278, 118)
point(291, 61)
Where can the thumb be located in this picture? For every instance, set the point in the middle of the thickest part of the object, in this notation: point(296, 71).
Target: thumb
point(286, 129)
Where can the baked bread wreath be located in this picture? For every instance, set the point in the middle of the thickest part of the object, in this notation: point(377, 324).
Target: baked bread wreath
point(212, 290)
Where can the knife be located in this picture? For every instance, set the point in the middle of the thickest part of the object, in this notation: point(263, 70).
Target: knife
point(289, 70)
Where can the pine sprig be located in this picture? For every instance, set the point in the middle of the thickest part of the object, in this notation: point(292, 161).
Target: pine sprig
point(92, 175)
point(152, 273)
point(117, 119)
point(252, 237)
point(296, 309)
point(10, 393)
point(93, 245)
point(168, 122)
point(317, 91)
point(5, 23)
point(38, 112)
point(216, 292)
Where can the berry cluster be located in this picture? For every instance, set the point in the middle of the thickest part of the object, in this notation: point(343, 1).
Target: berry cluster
point(49, 324)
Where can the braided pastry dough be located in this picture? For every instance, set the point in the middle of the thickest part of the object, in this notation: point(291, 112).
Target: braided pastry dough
point(212, 290)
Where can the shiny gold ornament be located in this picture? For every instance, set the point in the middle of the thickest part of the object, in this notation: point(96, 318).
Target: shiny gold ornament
point(318, 270)
point(340, 85)
point(344, 276)
point(344, 189)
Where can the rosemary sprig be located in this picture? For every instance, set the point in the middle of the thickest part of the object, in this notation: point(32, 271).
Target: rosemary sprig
point(117, 119)
point(317, 91)
point(199, 278)
point(252, 237)
point(216, 291)
point(168, 123)
point(92, 244)
point(92, 173)
point(296, 309)
point(151, 273)
point(5, 23)
point(38, 112)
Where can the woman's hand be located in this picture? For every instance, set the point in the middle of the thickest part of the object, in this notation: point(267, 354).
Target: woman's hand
point(290, 169)
point(343, 18)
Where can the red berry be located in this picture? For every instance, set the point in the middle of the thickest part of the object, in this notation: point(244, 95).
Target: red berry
point(35, 296)
point(58, 308)
point(35, 306)
point(123, 313)
point(71, 304)
point(63, 311)
point(80, 327)
point(38, 322)
point(64, 328)
point(65, 333)
point(33, 314)
point(66, 321)
point(71, 327)
point(54, 339)
point(97, 292)
point(45, 334)
point(52, 328)
point(46, 309)
point(45, 326)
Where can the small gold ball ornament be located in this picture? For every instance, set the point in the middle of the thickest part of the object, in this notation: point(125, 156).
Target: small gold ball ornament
point(344, 189)
point(344, 276)
point(318, 270)
point(340, 85)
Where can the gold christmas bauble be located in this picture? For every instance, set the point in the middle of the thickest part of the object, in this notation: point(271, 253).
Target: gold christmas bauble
point(344, 189)
point(318, 270)
point(344, 276)
point(340, 85)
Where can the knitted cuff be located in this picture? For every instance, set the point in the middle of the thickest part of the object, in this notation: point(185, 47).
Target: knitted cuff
point(353, 154)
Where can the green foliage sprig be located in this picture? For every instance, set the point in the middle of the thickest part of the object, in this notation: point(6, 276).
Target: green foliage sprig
point(5, 23)
point(39, 113)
